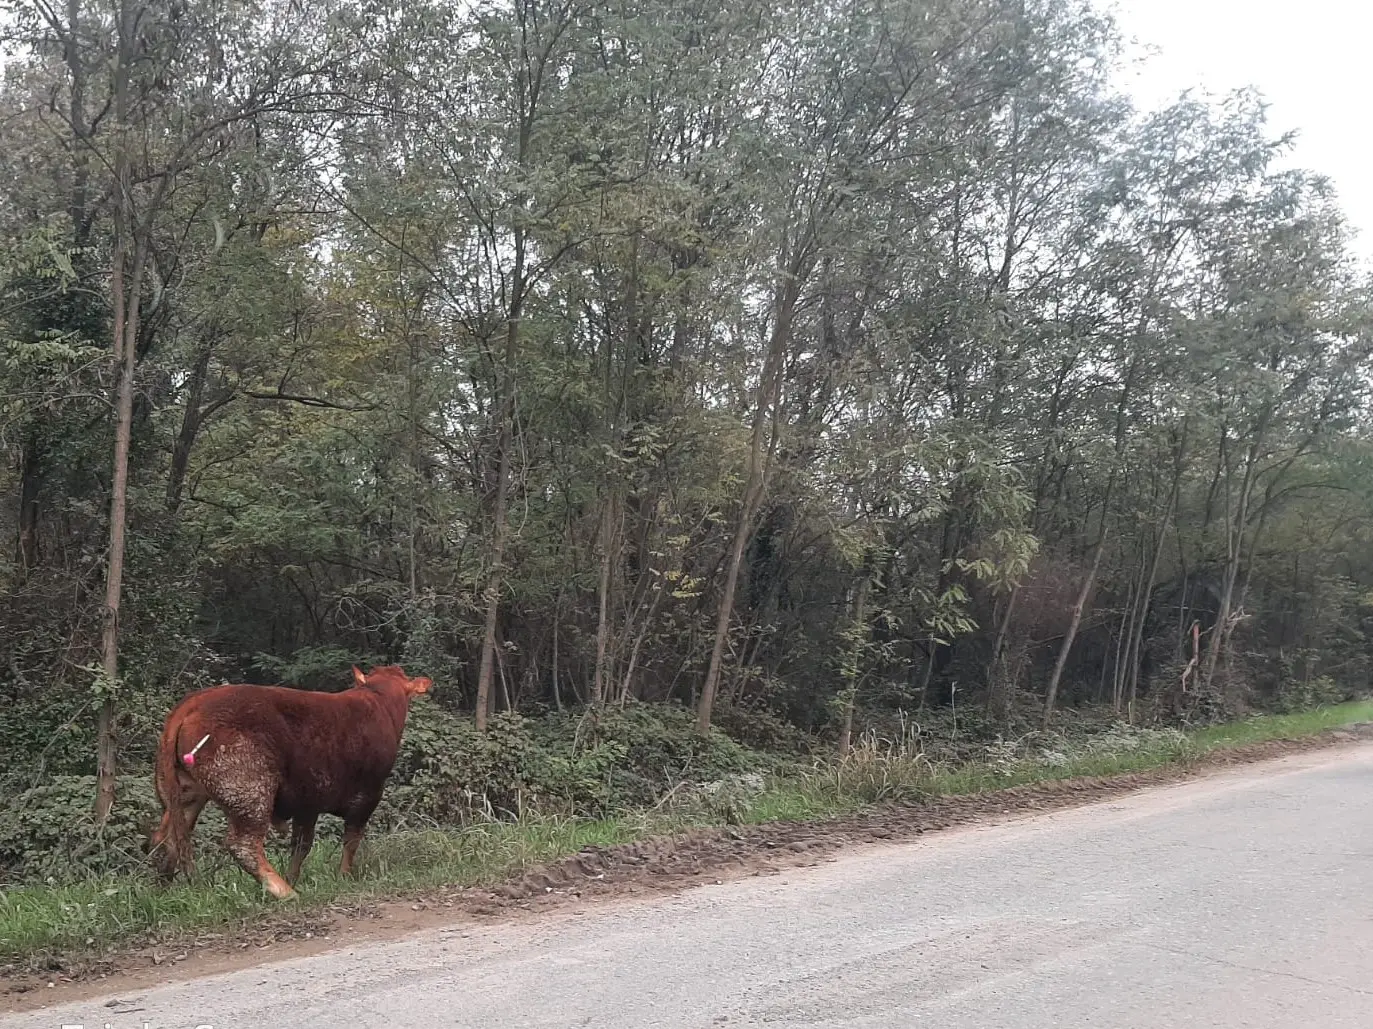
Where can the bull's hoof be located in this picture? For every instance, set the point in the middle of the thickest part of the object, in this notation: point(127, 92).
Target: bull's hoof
point(280, 889)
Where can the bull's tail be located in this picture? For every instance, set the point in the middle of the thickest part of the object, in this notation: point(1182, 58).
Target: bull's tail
point(168, 844)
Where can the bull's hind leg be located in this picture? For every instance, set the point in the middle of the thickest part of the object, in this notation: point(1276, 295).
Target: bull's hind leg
point(190, 813)
point(245, 842)
point(352, 837)
point(302, 839)
point(192, 803)
point(240, 779)
point(250, 819)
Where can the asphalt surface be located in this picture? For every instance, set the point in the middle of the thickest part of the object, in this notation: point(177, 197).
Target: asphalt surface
point(1239, 900)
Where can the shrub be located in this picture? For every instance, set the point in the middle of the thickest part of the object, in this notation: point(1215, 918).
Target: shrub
point(449, 774)
point(49, 831)
point(646, 749)
point(763, 729)
point(1296, 695)
point(877, 769)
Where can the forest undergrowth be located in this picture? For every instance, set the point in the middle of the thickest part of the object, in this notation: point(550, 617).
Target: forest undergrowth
point(633, 775)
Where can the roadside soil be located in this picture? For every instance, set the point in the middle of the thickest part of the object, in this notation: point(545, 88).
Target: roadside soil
point(655, 866)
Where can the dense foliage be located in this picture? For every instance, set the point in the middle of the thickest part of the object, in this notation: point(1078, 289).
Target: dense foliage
point(786, 364)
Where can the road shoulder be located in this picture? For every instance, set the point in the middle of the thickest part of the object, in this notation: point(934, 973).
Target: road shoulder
point(645, 869)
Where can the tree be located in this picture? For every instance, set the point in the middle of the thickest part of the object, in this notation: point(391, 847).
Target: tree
point(169, 115)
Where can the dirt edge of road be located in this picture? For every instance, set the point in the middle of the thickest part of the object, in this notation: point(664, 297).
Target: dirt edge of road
point(655, 866)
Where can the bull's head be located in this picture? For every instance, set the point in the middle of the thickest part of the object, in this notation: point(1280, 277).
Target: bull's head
point(393, 674)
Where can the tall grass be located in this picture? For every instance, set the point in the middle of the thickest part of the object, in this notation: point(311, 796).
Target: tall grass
point(897, 767)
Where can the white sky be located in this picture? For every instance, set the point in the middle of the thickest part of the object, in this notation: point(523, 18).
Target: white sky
point(1312, 60)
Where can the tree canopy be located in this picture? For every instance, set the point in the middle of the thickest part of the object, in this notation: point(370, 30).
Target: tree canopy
point(811, 358)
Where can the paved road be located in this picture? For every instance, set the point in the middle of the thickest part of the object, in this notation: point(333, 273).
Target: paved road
point(1243, 900)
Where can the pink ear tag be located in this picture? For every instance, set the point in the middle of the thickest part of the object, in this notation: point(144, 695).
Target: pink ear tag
point(188, 758)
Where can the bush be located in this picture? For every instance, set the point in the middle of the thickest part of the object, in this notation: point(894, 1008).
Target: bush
point(39, 738)
point(448, 773)
point(591, 764)
point(647, 749)
point(877, 770)
point(49, 831)
point(763, 729)
point(1297, 695)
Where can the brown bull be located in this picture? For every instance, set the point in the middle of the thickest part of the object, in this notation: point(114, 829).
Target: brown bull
point(269, 754)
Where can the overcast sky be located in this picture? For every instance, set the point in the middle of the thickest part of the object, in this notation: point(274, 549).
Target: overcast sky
point(1311, 59)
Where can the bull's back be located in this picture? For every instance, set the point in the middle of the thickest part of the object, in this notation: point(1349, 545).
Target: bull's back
point(262, 713)
point(326, 749)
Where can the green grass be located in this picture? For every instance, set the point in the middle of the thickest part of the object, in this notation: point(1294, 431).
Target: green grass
point(1270, 727)
point(38, 924)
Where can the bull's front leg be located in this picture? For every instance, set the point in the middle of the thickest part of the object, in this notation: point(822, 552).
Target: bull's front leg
point(302, 839)
point(354, 828)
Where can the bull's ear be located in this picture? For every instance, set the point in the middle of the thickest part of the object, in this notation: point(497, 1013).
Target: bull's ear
point(358, 677)
point(421, 685)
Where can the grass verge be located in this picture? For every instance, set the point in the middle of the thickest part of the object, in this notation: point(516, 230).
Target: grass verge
point(45, 927)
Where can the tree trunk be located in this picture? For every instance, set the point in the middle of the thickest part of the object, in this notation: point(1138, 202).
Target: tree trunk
point(495, 581)
point(412, 417)
point(1142, 618)
point(1122, 408)
point(1134, 642)
point(27, 550)
point(557, 618)
point(1234, 549)
point(1127, 619)
point(504, 444)
point(190, 426)
point(30, 479)
point(627, 683)
point(726, 611)
point(1051, 694)
point(529, 73)
point(125, 340)
point(769, 386)
point(854, 670)
point(606, 534)
point(998, 645)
